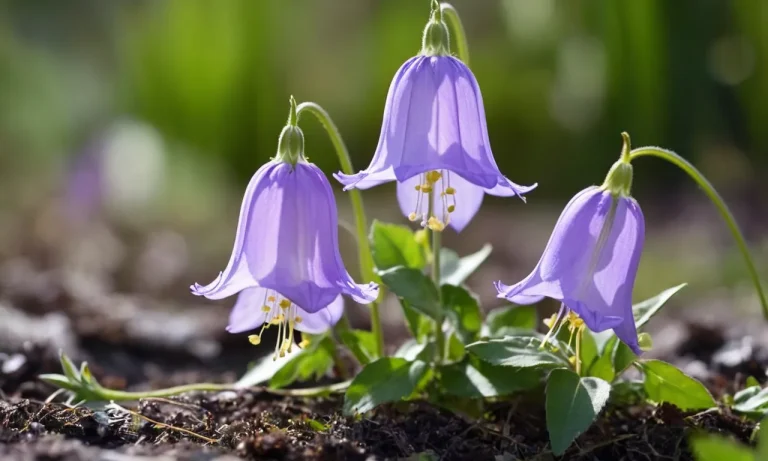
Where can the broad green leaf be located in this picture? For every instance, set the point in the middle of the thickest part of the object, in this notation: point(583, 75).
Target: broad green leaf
point(455, 270)
point(665, 383)
point(628, 392)
point(312, 364)
point(572, 405)
point(463, 312)
point(419, 325)
point(264, 369)
point(456, 349)
point(509, 320)
point(412, 350)
point(517, 351)
point(711, 447)
point(762, 442)
point(603, 367)
point(622, 357)
point(745, 394)
point(643, 311)
point(475, 378)
point(361, 343)
point(388, 379)
point(587, 351)
point(415, 288)
point(60, 381)
point(393, 245)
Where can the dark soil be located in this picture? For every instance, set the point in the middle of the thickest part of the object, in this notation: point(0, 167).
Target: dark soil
point(154, 340)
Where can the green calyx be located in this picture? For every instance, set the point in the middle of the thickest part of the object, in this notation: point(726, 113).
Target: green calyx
point(290, 146)
point(619, 179)
point(436, 40)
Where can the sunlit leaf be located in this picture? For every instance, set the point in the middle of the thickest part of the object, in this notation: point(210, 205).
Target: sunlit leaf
point(643, 311)
point(393, 245)
point(666, 383)
point(476, 378)
point(509, 321)
point(572, 405)
point(388, 379)
point(415, 288)
point(455, 270)
point(361, 343)
point(517, 351)
point(463, 312)
point(712, 447)
point(312, 364)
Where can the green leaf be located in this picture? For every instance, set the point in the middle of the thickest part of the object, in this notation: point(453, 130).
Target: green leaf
point(455, 270)
point(762, 442)
point(388, 379)
point(474, 378)
point(463, 312)
point(711, 447)
point(415, 288)
point(752, 381)
point(393, 245)
point(588, 350)
point(603, 367)
point(665, 383)
point(60, 381)
point(412, 350)
point(622, 357)
point(752, 401)
point(316, 425)
point(572, 404)
point(643, 311)
point(419, 325)
point(361, 343)
point(69, 368)
point(265, 368)
point(509, 320)
point(517, 351)
point(312, 364)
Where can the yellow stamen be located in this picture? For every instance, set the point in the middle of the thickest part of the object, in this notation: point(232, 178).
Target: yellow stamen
point(433, 176)
point(451, 208)
point(426, 188)
point(297, 319)
point(265, 308)
point(550, 322)
point(304, 343)
point(418, 187)
point(435, 224)
point(285, 304)
point(413, 216)
point(271, 298)
point(254, 339)
point(450, 190)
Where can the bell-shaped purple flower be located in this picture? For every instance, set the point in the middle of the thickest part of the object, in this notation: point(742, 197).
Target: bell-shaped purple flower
point(590, 262)
point(287, 241)
point(261, 307)
point(434, 142)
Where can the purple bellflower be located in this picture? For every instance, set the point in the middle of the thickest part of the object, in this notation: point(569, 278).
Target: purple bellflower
point(591, 260)
point(287, 245)
point(434, 140)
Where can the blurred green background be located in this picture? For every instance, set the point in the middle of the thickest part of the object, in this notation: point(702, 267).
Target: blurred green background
point(205, 85)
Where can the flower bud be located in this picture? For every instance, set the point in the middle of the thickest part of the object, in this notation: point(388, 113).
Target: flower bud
point(436, 40)
point(619, 179)
point(290, 146)
point(645, 341)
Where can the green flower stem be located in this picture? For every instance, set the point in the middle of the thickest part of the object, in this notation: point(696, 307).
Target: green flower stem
point(436, 243)
point(113, 395)
point(361, 223)
point(696, 175)
point(452, 20)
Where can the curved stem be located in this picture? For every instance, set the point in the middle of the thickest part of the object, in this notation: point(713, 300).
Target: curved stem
point(725, 213)
point(109, 394)
point(361, 223)
point(452, 19)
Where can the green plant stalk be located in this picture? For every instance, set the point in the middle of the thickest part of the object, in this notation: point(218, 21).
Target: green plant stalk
point(436, 243)
point(453, 21)
point(361, 223)
point(115, 395)
point(725, 213)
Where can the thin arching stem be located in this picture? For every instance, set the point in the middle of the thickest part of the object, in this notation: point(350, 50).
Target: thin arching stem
point(725, 213)
point(456, 28)
point(361, 223)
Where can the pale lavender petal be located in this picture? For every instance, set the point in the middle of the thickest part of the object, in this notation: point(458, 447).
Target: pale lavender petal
point(247, 314)
point(467, 201)
point(322, 320)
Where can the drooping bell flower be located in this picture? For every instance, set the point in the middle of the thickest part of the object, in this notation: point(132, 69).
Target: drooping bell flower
point(434, 139)
point(262, 307)
point(591, 260)
point(287, 238)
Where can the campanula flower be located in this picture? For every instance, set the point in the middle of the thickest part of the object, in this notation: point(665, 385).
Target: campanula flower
point(434, 140)
point(261, 307)
point(591, 260)
point(287, 239)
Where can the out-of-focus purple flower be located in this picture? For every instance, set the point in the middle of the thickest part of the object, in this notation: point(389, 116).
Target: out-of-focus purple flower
point(434, 139)
point(84, 189)
point(287, 240)
point(261, 307)
point(590, 262)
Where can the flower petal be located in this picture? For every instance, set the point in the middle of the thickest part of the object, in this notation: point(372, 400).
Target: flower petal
point(322, 320)
point(247, 314)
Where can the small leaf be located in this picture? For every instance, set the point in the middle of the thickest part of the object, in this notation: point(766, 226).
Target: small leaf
point(60, 381)
point(752, 381)
point(412, 350)
point(69, 368)
point(265, 368)
point(588, 351)
point(415, 288)
point(572, 404)
point(463, 312)
point(393, 245)
point(388, 379)
point(665, 383)
point(455, 270)
point(711, 447)
point(622, 357)
point(762, 442)
point(643, 311)
point(752, 401)
point(361, 343)
point(419, 325)
point(474, 378)
point(603, 367)
point(317, 425)
point(312, 364)
point(517, 351)
point(509, 320)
